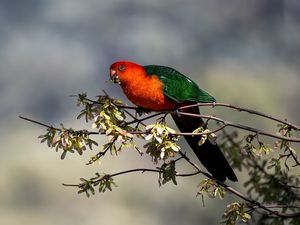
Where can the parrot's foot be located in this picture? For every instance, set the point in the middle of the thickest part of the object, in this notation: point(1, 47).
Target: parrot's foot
point(176, 112)
point(140, 111)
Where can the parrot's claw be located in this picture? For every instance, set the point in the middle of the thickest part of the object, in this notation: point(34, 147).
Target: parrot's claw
point(140, 111)
point(176, 111)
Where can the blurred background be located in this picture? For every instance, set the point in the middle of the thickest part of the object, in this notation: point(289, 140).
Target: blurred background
point(242, 52)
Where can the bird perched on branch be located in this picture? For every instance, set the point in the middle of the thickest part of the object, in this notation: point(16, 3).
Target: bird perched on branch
point(159, 88)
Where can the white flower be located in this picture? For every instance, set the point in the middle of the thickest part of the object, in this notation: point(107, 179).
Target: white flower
point(119, 117)
point(202, 140)
point(148, 137)
point(96, 118)
point(149, 127)
point(175, 148)
point(110, 138)
point(162, 153)
point(170, 130)
point(158, 139)
point(120, 138)
point(213, 138)
point(159, 130)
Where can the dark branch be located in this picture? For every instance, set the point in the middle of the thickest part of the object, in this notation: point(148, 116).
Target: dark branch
point(243, 127)
point(143, 170)
point(240, 109)
point(39, 123)
point(225, 124)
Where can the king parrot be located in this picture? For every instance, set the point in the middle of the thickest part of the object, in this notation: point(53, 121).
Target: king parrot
point(159, 88)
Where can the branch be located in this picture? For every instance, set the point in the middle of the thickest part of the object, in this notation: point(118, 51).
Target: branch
point(39, 123)
point(143, 170)
point(240, 109)
point(54, 128)
point(278, 206)
point(136, 120)
point(240, 126)
point(225, 124)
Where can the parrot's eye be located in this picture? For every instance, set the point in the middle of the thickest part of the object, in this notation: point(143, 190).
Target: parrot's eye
point(121, 67)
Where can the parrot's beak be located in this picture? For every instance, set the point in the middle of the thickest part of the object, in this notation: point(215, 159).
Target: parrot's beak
point(114, 76)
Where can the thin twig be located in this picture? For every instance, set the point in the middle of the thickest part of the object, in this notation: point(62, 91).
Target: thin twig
point(240, 109)
point(278, 206)
point(225, 124)
point(39, 123)
point(136, 120)
point(240, 126)
point(133, 171)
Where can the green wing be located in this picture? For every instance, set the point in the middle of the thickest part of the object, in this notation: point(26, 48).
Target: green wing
point(177, 86)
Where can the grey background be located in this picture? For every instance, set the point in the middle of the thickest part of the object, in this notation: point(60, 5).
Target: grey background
point(242, 52)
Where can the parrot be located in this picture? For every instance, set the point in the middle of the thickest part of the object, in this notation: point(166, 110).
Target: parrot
point(162, 88)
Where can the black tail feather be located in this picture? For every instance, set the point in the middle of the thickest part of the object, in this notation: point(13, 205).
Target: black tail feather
point(209, 154)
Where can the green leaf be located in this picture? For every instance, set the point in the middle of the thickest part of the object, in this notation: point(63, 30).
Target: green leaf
point(211, 188)
point(162, 142)
point(235, 211)
point(167, 173)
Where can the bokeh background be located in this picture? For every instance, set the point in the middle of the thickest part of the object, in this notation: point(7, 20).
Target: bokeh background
point(242, 52)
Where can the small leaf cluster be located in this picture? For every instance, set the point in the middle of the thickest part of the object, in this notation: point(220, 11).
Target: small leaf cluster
point(68, 140)
point(256, 149)
point(107, 116)
point(109, 119)
point(211, 188)
point(234, 212)
point(105, 113)
point(122, 137)
point(103, 183)
point(212, 137)
point(285, 146)
point(167, 173)
point(162, 142)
